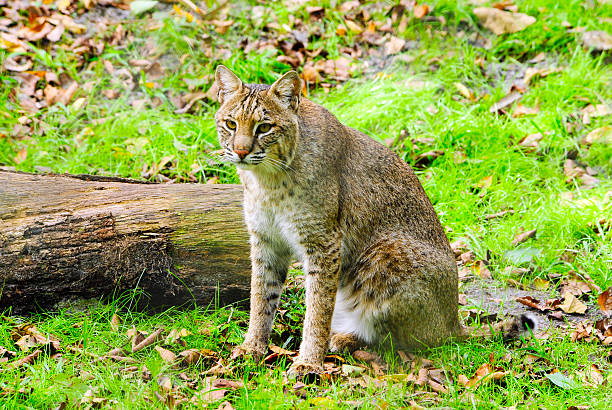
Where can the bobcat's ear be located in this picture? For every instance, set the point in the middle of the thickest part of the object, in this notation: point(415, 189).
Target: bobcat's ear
point(287, 90)
point(227, 82)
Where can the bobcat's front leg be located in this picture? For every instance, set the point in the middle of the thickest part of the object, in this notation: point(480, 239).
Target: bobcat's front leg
point(322, 274)
point(270, 264)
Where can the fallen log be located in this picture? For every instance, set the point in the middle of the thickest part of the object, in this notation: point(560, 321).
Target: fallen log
point(65, 236)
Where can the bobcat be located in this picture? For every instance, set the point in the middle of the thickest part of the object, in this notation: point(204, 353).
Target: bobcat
point(378, 265)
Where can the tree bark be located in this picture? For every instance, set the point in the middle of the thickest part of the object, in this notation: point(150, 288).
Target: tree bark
point(65, 236)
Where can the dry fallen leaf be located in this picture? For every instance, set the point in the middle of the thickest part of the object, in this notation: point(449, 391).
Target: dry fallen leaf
point(464, 273)
point(572, 171)
point(604, 326)
point(26, 342)
point(154, 71)
point(500, 22)
point(65, 95)
point(531, 140)
point(227, 384)
point(115, 322)
point(466, 92)
point(589, 331)
point(373, 359)
point(394, 45)
point(176, 335)
point(601, 226)
point(13, 44)
point(209, 393)
point(135, 336)
point(467, 257)
point(499, 214)
point(505, 102)
point(598, 40)
point(67, 22)
point(353, 27)
point(278, 353)
point(420, 10)
point(6, 354)
point(541, 284)
point(315, 11)
point(484, 183)
point(310, 75)
point(24, 360)
point(578, 285)
point(531, 302)
point(571, 304)
point(602, 135)
point(583, 331)
point(533, 72)
point(426, 158)
point(459, 157)
point(55, 34)
point(37, 30)
point(12, 65)
point(599, 110)
point(165, 383)
point(523, 237)
point(485, 373)
point(226, 405)
point(21, 155)
point(149, 340)
point(190, 357)
point(480, 269)
point(221, 27)
point(191, 98)
point(592, 376)
point(522, 110)
point(166, 355)
point(604, 300)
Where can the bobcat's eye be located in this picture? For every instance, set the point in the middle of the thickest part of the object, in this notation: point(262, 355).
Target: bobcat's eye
point(263, 128)
point(230, 124)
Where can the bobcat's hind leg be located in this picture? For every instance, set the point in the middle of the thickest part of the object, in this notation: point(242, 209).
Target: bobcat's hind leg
point(403, 293)
point(341, 342)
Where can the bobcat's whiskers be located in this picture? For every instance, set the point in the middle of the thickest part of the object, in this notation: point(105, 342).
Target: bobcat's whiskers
point(278, 164)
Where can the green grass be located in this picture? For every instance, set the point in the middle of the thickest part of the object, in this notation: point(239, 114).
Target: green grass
point(386, 107)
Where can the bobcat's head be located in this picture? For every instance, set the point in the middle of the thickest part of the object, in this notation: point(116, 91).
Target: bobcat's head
point(257, 124)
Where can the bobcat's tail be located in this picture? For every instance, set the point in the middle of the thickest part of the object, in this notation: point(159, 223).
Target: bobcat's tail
point(511, 328)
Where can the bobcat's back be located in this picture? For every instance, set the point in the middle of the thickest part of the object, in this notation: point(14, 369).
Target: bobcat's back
point(376, 191)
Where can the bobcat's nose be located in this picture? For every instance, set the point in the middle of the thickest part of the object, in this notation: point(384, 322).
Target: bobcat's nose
point(241, 153)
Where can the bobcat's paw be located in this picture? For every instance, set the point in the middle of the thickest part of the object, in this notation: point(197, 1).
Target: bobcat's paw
point(343, 341)
point(256, 352)
point(300, 369)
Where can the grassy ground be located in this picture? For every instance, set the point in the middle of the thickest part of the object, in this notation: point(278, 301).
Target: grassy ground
point(410, 101)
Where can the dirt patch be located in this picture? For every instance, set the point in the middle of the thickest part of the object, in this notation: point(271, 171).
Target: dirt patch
point(493, 299)
point(107, 15)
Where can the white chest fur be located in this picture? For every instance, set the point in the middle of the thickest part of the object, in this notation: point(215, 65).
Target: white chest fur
point(271, 213)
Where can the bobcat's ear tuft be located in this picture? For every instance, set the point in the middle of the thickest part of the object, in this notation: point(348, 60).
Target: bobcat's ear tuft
point(287, 90)
point(227, 82)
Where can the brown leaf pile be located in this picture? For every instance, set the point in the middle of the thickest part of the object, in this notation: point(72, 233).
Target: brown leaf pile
point(578, 174)
point(589, 331)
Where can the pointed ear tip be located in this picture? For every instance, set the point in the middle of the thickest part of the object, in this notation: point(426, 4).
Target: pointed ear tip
point(293, 76)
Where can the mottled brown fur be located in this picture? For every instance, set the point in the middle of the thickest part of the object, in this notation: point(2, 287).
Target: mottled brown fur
point(377, 261)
